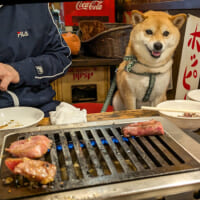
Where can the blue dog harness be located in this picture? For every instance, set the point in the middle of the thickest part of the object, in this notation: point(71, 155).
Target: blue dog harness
point(152, 76)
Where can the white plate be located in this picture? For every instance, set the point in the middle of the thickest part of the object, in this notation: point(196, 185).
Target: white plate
point(19, 117)
point(192, 123)
point(194, 95)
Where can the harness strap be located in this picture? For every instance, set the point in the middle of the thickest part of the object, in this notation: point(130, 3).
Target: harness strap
point(152, 79)
point(152, 76)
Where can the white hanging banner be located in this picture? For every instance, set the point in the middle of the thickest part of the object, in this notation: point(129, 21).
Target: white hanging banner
point(189, 70)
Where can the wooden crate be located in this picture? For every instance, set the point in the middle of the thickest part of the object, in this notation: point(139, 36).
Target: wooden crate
point(83, 84)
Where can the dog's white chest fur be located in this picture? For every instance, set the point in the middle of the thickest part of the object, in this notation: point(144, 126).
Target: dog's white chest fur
point(141, 84)
point(134, 86)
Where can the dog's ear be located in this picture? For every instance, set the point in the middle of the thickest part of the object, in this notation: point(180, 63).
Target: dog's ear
point(179, 19)
point(137, 17)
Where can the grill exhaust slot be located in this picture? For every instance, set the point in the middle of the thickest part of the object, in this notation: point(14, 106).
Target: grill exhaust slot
point(99, 155)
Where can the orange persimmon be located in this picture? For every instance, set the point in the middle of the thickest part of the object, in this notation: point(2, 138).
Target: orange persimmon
point(73, 41)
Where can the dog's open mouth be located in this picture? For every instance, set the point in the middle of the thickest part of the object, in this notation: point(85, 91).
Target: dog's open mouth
point(154, 53)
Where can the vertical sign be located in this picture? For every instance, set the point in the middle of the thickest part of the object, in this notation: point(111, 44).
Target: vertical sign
point(189, 70)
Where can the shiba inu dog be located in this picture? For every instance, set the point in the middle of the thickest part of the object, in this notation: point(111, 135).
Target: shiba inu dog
point(144, 74)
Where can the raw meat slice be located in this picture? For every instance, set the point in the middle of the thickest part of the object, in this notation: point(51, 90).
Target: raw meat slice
point(32, 147)
point(151, 127)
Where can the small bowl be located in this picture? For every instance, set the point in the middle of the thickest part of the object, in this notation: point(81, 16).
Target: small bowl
point(194, 95)
point(192, 123)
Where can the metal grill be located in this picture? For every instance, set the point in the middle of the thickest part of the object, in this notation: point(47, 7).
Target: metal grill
point(99, 155)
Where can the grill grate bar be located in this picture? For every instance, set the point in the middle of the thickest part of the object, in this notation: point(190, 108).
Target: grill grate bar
point(175, 149)
point(128, 151)
point(142, 153)
point(54, 158)
point(155, 155)
point(116, 152)
point(92, 154)
point(104, 153)
point(80, 155)
point(67, 156)
point(165, 151)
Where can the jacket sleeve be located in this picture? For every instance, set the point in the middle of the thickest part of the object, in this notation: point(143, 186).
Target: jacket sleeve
point(51, 64)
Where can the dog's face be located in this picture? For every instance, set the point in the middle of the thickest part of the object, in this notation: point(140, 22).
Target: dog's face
point(155, 36)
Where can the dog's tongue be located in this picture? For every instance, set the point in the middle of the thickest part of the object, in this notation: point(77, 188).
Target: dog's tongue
point(155, 53)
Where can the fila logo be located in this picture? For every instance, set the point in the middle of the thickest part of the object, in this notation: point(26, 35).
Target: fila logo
point(22, 34)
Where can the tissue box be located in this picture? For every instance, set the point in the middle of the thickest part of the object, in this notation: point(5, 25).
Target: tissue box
point(83, 84)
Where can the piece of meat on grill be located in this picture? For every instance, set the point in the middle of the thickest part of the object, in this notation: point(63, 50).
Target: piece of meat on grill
point(32, 147)
point(34, 170)
point(145, 128)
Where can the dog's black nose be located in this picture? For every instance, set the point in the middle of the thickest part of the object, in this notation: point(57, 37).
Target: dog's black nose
point(158, 46)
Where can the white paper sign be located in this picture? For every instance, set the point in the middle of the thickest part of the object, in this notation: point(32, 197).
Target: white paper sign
point(189, 70)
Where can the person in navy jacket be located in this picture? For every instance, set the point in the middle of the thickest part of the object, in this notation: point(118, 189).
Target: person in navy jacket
point(32, 54)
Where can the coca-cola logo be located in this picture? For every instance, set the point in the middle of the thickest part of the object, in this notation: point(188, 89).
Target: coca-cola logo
point(90, 5)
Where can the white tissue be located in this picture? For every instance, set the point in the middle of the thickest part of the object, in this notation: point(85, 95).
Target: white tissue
point(67, 114)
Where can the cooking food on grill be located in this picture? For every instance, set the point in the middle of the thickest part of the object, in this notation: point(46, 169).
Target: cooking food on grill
point(32, 147)
point(34, 170)
point(151, 127)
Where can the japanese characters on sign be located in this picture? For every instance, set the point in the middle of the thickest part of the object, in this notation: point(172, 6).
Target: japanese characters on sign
point(189, 70)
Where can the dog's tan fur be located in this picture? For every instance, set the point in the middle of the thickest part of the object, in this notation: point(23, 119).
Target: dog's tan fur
point(132, 87)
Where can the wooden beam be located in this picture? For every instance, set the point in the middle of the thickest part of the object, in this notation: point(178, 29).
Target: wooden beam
point(168, 5)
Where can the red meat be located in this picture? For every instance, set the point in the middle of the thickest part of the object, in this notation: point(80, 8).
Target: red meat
point(151, 127)
point(12, 163)
point(34, 170)
point(32, 147)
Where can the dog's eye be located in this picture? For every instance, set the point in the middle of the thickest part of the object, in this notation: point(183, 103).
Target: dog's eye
point(166, 33)
point(149, 32)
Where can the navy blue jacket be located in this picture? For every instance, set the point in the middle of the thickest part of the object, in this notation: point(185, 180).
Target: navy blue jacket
point(31, 43)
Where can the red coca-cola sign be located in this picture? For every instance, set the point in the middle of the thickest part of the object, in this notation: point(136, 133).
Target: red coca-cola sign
point(102, 10)
point(92, 5)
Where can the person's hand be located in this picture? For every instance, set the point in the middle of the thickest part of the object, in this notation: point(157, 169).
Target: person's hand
point(7, 75)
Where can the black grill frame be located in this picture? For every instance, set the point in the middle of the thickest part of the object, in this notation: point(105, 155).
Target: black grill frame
point(151, 156)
